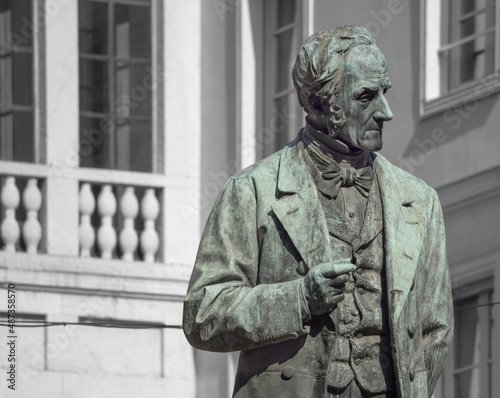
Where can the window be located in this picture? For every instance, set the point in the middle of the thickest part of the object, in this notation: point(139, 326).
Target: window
point(469, 53)
point(116, 122)
point(469, 368)
point(460, 47)
point(17, 134)
point(284, 37)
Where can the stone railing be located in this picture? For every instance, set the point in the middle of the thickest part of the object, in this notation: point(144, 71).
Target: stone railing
point(21, 201)
point(106, 214)
point(119, 221)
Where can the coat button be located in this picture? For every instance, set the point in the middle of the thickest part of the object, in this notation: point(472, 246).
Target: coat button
point(412, 374)
point(287, 372)
point(352, 214)
point(357, 361)
point(412, 329)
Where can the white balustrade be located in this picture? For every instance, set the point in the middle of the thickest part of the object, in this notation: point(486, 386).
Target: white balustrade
point(86, 231)
point(107, 237)
point(129, 206)
point(32, 202)
point(10, 230)
point(106, 234)
point(128, 238)
point(150, 210)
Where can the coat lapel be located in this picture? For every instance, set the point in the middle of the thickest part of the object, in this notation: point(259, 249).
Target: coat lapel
point(403, 226)
point(298, 208)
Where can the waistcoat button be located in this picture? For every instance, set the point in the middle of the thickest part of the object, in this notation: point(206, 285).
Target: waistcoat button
point(287, 372)
point(412, 329)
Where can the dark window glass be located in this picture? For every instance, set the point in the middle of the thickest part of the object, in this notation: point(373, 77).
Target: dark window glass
point(133, 32)
point(115, 90)
point(286, 12)
point(93, 29)
point(472, 38)
point(17, 141)
point(94, 86)
point(283, 57)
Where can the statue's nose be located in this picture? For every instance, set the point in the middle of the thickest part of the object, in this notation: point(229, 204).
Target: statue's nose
point(384, 112)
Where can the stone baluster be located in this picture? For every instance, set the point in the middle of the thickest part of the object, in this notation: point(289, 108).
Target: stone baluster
point(86, 231)
point(106, 234)
point(150, 240)
point(32, 202)
point(129, 206)
point(10, 201)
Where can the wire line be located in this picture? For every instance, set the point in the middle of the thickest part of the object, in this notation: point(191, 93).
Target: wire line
point(104, 324)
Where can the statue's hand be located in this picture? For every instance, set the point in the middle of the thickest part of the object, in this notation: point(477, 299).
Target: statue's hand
point(323, 286)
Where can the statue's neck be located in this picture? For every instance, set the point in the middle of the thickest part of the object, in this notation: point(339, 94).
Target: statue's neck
point(337, 149)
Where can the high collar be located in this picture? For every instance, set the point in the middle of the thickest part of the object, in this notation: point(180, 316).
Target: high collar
point(335, 149)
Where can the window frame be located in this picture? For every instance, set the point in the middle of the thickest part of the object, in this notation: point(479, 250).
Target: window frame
point(38, 108)
point(469, 91)
point(471, 279)
point(271, 95)
point(484, 290)
point(157, 72)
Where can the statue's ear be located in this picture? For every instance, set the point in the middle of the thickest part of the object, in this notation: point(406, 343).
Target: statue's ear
point(316, 104)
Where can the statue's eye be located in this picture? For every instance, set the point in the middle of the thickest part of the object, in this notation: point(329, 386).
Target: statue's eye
point(367, 96)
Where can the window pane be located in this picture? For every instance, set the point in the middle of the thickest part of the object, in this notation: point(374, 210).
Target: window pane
point(284, 67)
point(133, 90)
point(16, 81)
point(467, 384)
point(132, 32)
point(134, 145)
point(93, 29)
point(467, 338)
point(468, 6)
point(96, 143)
point(93, 86)
point(471, 60)
point(117, 87)
point(474, 58)
point(281, 123)
point(24, 150)
point(16, 136)
point(22, 27)
point(286, 12)
point(22, 82)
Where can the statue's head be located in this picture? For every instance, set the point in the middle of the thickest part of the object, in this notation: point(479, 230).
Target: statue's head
point(341, 78)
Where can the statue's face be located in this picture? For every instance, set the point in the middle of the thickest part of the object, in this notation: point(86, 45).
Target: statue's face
point(362, 100)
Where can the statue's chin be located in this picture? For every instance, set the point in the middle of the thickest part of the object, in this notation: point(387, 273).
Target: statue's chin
point(372, 141)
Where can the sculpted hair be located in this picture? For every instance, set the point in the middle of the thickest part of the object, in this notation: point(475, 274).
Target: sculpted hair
point(319, 66)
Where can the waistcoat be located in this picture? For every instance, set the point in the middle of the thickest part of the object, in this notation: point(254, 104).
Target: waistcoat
point(360, 349)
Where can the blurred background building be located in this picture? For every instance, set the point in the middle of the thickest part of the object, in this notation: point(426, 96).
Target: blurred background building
point(120, 120)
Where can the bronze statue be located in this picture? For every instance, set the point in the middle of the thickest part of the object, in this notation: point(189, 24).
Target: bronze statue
point(324, 263)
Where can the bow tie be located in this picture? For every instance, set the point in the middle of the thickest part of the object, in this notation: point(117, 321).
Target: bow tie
point(335, 177)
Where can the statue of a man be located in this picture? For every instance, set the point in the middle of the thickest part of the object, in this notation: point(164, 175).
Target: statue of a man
point(324, 263)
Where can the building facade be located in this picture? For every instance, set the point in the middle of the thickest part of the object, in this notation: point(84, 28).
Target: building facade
point(120, 121)
point(92, 228)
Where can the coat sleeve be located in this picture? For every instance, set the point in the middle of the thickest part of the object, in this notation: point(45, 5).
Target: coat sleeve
point(225, 309)
point(437, 311)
